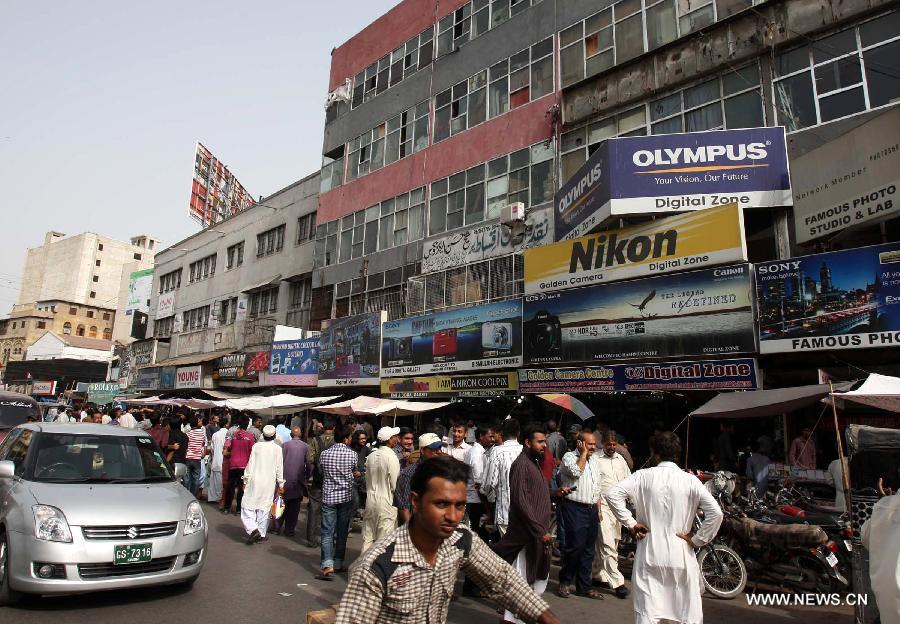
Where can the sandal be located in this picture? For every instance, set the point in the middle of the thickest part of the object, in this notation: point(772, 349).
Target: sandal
point(593, 594)
point(563, 591)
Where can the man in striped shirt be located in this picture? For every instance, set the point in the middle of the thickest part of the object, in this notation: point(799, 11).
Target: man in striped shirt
point(195, 451)
point(495, 485)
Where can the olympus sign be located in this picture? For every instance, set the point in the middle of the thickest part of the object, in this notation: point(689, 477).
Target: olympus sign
point(701, 154)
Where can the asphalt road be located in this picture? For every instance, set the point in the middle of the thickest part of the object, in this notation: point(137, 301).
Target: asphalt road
point(273, 582)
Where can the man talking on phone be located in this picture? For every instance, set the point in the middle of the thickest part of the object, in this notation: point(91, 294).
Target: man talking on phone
point(666, 577)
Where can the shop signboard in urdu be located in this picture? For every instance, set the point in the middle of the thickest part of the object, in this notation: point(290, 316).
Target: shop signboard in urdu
point(103, 392)
point(349, 351)
point(143, 352)
point(188, 377)
point(167, 378)
point(148, 379)
point(478, 338)
point(737, 374)
point(294, 363)
point(840, 300)
point(698, 313)
point(692, 240)
point(165, 305)
point(491, 385)
point(670, 173)
point(850, 180)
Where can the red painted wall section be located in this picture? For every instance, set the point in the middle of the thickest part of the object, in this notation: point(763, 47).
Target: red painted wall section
point(516, 129)
point(386, 34)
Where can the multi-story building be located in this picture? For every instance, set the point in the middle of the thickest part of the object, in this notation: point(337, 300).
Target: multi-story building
point(224, 289)
point(441, 114)
point(70, 286)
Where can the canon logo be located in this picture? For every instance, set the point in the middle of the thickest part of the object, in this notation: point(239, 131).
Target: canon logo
point(702, 154)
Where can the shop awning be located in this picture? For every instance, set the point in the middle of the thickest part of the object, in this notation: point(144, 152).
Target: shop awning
point(218, 394)
point(269, 282)
point(372, 406)
point(197, 358)
point(276, 404)
point(760, 403)
point(881, 391)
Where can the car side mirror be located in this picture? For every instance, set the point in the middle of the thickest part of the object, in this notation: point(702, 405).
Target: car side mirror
point(7, 469)
point(180, 470)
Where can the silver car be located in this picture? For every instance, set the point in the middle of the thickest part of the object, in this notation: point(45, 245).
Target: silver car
point(87, 508)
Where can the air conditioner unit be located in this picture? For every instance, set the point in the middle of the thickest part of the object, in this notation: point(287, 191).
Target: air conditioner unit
point(513, 213)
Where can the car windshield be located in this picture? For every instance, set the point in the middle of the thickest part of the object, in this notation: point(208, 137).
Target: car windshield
point(73, 458)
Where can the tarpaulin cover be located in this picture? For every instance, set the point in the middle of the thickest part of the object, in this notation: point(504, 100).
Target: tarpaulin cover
point(372, 406)
point(879, 391)
point(759, 403)
point(864, 438)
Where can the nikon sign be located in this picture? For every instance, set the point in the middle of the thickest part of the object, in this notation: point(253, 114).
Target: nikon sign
point(687, 241)
point(674, 173)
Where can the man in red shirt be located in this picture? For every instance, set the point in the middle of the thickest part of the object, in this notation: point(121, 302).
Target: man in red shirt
point(238, 449)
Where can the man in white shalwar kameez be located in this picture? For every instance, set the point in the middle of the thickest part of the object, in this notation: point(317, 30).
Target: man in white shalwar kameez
point(263, 476)
point(666, 577)
point(606, 555)
point(217, 445)
point(881, 537)
point(382, 470)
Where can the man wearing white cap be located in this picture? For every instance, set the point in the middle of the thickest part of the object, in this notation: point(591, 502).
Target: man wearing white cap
point(382, 470)
point(430, 445)
point(263, 477)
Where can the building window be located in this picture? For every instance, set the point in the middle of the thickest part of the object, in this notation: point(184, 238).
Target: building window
point(92, 332)
point(481, 192)
point(96, 278)
point(306, 228)
point(388, 142)
point(79, 331)
point(234, 256)
point(106, 316)
point(332, 174)
point(99, 246)
point(479, 282)
point(475, 18)
point(97, 263)
point(137, 256)
point(203, 269)
point(90, 314)
point(93, 295)
point(42, 325)
point(73, 311)
point(838, 75)
point(14, 324)
point(300, 294)
point(264, 302)
point(170, 281)
point(67, 328)
point(390, 70)
point(228, 311)
point(522, 78)
point(195, 319)
point(162, 328)
point(270, 241)
point(107, 333)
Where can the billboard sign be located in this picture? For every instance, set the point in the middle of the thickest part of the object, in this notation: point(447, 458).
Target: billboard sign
point(738, 374)
point(140, 289)
point(215, 193)
point(242, 365)
point(699, 313)
point(43, 388)
point(481, 242)
point(167, 378)
point(143, 352)
point(840, 300)
point(349, 351)
point(692, 240)
point(479, 338)
point(188, 377)
point(668, 173)
point(849, 180)
point(103, 392)
point(294, 363)
point(491, 385)
point(147, 379)
point(165, 305)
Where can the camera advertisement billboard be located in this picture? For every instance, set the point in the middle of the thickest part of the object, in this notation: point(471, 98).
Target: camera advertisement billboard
point(491, 385)
point(692, 240)
point(349, 351)
point(215, 193)
point(699, 313)
point(294, 363)
point(479, 338)
point(738, 374)
point(840, 300)
point(669, 173)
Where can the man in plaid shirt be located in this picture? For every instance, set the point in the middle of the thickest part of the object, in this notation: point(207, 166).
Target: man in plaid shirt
point(407, 577)
point(338, 466)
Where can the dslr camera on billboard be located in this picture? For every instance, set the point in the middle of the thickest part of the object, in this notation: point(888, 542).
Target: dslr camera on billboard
point(544, 335)
point(496, 336)
point(399, 348)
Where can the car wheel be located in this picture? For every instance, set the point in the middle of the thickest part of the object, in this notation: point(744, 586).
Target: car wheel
point(7, 595)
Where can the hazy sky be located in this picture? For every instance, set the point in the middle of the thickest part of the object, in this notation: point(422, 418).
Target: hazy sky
point(103, 101)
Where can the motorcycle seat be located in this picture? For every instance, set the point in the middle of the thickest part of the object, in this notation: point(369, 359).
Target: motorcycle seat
point(778, 535)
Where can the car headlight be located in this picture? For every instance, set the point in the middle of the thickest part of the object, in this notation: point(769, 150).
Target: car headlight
point(50, 524)
point(193, 522)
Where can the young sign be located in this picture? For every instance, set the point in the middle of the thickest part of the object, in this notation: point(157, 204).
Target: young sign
point(188, 377)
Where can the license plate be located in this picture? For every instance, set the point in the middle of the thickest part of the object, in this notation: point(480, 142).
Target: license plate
point(831, 559)
point(132, 553)
point(849, 545)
